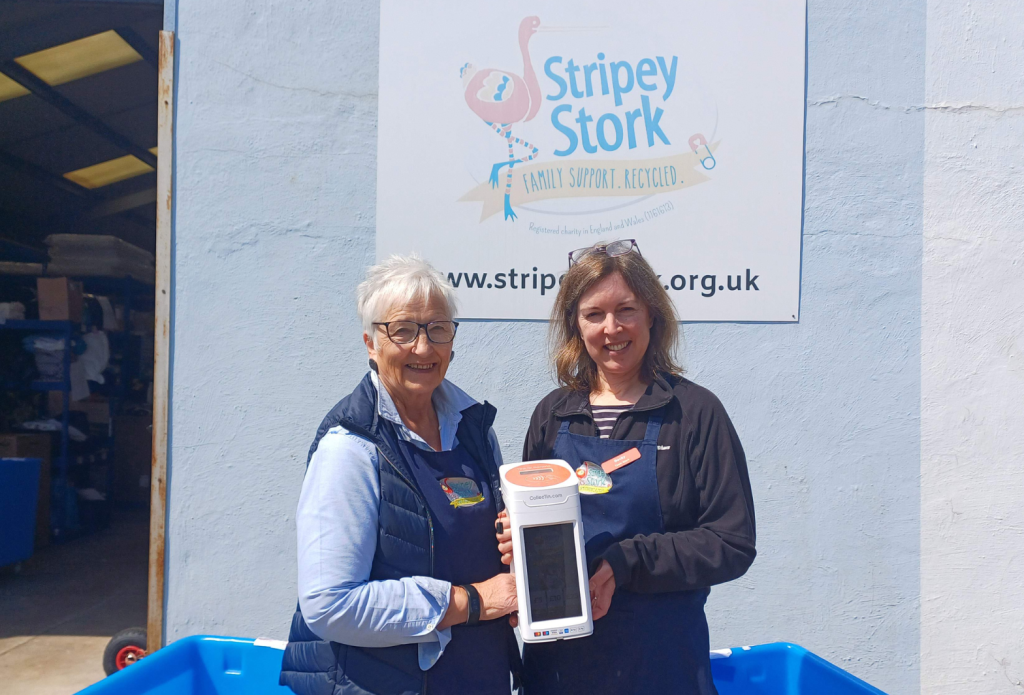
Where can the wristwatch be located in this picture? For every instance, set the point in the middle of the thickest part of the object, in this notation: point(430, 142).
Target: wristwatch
point(474, 604)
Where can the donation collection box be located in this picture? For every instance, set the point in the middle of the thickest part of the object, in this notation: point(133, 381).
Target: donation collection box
point(543, 502)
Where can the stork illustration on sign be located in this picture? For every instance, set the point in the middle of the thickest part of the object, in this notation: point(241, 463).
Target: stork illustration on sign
point(502, 98)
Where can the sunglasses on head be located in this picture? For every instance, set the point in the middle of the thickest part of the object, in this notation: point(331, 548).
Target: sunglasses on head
point(615, 248)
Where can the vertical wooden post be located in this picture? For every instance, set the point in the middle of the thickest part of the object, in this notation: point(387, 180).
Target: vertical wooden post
point(162, 336)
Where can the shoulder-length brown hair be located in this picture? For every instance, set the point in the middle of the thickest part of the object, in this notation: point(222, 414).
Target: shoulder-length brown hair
point(574, 367)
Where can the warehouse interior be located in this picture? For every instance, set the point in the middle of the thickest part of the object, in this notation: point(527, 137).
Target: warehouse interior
point(78, 158)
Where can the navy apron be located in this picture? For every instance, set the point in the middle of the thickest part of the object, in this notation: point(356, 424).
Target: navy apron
point(462, 509)
point(647, 643)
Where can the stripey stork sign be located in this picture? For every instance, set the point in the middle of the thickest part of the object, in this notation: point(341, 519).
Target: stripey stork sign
point(541, 128)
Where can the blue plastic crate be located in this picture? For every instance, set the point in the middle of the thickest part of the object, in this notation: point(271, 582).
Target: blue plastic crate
point(19, 490)
point(200, 666)
point(781, 669)
point(231, 666)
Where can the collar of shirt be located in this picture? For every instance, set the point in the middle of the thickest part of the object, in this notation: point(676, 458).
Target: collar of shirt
point(449, 402)
point(659, 392)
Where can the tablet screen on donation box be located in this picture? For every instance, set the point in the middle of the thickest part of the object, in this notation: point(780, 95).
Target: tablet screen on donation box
point(551, 572)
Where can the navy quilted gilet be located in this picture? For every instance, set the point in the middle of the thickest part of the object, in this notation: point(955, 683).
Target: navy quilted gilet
point(312, 666)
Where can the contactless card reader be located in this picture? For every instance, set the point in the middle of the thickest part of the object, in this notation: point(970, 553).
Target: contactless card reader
point(543, 502)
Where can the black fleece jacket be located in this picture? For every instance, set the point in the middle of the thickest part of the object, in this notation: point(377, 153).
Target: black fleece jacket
point(706, 502)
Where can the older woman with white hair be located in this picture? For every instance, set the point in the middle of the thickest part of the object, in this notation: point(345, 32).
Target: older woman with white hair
point(400, 582)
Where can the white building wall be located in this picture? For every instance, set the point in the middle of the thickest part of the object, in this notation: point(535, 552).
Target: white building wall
point(972, 365)
point(882, 431)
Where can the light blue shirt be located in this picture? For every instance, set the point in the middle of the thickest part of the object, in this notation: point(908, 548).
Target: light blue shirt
point(337, 537)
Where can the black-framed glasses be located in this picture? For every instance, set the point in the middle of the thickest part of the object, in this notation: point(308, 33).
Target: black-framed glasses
point(615, 248)
point(405, 332)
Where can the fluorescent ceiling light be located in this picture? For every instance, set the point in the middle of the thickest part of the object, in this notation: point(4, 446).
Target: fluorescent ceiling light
point(111, 171)
point(9, 89)
point(77, 59)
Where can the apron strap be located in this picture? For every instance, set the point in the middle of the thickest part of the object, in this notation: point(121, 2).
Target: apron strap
point(563, 434)
point(653, 427)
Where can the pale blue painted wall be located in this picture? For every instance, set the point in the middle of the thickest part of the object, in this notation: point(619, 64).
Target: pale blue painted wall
point(275, 188)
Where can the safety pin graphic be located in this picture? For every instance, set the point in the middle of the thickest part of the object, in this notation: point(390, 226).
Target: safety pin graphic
point(696, 142)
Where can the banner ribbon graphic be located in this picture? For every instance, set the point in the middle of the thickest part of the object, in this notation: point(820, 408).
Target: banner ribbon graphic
point(592, 179)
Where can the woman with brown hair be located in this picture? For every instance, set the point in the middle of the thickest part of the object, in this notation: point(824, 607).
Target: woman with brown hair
point(666, 501)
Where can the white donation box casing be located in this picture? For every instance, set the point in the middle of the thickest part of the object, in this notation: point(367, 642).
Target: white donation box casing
point(548, 558)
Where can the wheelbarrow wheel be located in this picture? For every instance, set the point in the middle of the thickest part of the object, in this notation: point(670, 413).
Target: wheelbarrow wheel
point(124, 649)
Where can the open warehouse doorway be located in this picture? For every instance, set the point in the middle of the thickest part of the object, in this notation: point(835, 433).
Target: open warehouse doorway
point(78, 310)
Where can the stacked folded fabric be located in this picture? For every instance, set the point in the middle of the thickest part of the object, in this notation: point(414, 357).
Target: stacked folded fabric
point(14, 311)
point(89, 255)
point(49, 353)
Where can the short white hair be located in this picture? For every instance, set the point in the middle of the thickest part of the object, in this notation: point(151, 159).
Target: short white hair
point(399, 280)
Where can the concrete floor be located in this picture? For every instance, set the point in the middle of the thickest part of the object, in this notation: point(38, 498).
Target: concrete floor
point(59, 612)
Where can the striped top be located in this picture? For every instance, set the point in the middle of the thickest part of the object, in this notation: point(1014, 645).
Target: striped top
point(605, 417)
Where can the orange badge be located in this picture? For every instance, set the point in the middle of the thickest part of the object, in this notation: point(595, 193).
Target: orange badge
point(623, 459)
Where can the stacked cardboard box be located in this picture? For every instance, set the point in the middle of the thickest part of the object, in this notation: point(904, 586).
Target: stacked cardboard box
point(96, 408)
point(60, 299)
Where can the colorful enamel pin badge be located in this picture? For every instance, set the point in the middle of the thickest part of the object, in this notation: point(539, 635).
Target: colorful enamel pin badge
point(461, 492)
point(593, 480)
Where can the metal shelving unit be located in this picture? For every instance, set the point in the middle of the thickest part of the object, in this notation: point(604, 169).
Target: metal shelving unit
point(62, 329)
point(131, 294)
